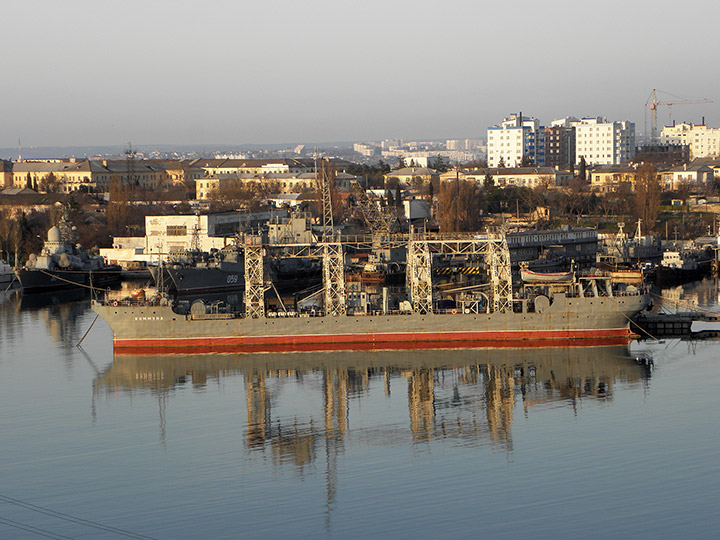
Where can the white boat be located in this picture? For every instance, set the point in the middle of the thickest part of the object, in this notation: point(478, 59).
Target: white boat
point(528, 276)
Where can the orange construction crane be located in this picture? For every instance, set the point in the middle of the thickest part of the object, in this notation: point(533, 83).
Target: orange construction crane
point(653, 103)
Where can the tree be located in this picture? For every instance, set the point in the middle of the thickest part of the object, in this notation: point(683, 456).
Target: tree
point(647, 195)
point(28, 181)
point(49, 184)
point(583, 169)
point(118, 212)
point(441, 165)
point(488, 182)
point(501, 163)
point(459, 203)
point(398, 196)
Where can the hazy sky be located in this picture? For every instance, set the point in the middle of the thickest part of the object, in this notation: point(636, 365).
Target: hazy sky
point(91, 72)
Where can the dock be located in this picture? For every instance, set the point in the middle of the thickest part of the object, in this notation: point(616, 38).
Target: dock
point(671, 324)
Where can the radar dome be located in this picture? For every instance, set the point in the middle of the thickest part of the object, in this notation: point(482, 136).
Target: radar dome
point(54, 235)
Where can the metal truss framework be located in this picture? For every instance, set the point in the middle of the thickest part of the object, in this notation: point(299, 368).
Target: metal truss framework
point(326, 204)
point(497, 261)
point(378, 221)
point(334, 279)
point(254, 282)
point(492, 248)
point(419, 276)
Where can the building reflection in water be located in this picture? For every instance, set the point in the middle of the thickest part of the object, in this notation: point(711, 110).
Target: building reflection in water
point(461, 394)
point(470, 396)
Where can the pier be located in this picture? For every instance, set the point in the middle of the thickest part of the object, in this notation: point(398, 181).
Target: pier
point(671, 324)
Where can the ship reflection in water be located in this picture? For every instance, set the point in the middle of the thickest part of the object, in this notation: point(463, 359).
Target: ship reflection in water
point(468, 395)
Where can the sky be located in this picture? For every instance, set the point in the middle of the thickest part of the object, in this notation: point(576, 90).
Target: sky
point(89, 72)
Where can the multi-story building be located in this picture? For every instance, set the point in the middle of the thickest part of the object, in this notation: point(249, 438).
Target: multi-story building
point(516, 141)
point(560, 143)
point(531, 177)
point(604, 143)
point(701, 140)
point(214, 167)
point(6, 173)
point(367, 150)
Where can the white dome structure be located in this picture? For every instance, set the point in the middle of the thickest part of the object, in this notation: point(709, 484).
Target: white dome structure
point(54, 235)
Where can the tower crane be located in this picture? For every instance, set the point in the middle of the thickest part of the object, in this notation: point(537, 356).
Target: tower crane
point(653, 103)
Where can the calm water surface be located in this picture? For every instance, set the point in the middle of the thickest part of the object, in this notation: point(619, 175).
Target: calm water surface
point(552, 443)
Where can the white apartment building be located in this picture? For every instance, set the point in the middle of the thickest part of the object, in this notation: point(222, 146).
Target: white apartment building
point(701, 140)
point(367, 150)
point(517, 137)
point(604, 143)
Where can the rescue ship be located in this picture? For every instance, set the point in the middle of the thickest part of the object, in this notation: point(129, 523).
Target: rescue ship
point(534, 314)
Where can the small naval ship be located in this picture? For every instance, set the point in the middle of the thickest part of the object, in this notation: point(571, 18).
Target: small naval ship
point(62, 264)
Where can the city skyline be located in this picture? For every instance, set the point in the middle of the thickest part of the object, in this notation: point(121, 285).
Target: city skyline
point(171, 73)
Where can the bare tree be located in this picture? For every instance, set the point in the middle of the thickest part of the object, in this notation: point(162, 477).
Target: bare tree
point(459, 205)
point(647, 195)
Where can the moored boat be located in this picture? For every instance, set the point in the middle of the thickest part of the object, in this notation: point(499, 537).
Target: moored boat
point(64, 265)
point(538, 317)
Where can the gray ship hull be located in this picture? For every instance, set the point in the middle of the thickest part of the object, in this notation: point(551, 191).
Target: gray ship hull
point(143, 327)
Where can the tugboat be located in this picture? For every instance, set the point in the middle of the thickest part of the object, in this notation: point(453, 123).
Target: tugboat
point(63, 265)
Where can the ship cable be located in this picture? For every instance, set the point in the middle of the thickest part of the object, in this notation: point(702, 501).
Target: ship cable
point(34, 530)
point(88, 331)
point(71, 282)
point(634, 323)
point(10, 284)
point(73, 519)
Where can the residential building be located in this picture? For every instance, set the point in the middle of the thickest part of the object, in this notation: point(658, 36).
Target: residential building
point(607, 178)
point(205, 187)
point(694, 175)
point(531, 177)
point(412, 176)
point(604, 143)
point(516, 141)
point(701, 140)
point(367, 150)
point(560, 143)
point(6, 173)
point(214, 167)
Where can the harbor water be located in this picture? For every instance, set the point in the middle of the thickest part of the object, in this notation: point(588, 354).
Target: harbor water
point(598, 442)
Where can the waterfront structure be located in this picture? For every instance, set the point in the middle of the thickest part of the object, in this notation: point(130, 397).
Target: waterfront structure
point(601, 142)
point(167, 235)
point(517, 141)
point(579, 245)
point(701, 140)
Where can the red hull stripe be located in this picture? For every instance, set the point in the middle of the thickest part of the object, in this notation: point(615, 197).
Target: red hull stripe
point(429, 340)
